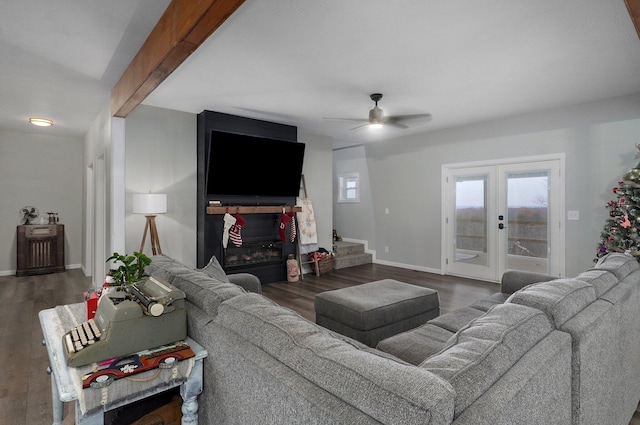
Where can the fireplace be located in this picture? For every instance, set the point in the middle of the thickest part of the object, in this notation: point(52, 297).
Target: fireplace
point(259, 228)
point(252, 254)
point(262, 252)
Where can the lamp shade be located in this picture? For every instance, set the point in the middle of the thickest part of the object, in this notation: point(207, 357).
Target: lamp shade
point(149, 203)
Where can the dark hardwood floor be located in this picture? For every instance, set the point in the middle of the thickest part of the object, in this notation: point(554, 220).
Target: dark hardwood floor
point(25, 388)
point(454, 292)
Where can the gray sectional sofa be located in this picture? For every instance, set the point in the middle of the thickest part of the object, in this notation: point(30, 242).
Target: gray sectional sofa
point(557, 351)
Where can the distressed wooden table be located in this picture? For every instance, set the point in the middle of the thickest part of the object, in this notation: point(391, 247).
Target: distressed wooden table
point(91, 403)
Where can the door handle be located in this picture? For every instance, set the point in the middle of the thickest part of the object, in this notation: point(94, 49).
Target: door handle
point(501, 226)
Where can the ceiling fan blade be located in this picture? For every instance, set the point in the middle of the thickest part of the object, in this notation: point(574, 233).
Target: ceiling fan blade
point(396, 124)
point(346, 119)
point(414, 119)
point(361, 125)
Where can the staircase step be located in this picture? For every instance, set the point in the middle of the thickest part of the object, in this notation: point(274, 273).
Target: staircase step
point(343, 248)
point(344, 261)
point(350, 254)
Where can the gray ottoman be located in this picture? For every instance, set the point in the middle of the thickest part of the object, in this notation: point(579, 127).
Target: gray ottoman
point(374, 311)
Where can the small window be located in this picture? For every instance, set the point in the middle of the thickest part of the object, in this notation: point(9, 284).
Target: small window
point(349, 187)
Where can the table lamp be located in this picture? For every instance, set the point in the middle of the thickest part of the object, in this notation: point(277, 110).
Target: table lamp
point(150, 204)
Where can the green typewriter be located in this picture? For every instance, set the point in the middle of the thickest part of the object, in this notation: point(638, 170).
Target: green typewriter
point(144, 315)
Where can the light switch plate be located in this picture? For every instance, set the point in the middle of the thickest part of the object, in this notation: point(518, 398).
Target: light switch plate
point(573, 215)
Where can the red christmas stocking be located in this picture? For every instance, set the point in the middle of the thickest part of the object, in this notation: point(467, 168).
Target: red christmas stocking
point(292, 215)
point(234, 232)
point(282, 229)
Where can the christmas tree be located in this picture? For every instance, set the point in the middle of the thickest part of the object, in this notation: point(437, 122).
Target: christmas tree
point(620, 232)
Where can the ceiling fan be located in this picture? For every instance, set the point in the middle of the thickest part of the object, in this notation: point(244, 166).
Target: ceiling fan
point(377, 118)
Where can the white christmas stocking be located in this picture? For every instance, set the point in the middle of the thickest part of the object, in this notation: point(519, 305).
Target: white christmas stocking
point(229, 221)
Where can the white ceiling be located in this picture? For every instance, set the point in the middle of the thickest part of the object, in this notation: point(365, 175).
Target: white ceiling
point(297, 62)
point(59, 59)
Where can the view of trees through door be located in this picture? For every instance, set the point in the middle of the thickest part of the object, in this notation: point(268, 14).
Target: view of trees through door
point(503, 217)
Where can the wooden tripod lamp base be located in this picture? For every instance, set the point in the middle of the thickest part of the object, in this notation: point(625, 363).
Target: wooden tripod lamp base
point(150, 227)
point(150, 204)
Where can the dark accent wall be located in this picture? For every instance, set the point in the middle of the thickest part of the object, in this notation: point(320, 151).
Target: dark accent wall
point(258, 226)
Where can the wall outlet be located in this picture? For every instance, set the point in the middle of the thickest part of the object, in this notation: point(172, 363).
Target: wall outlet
point(386, 210)
point(573, 215)
point(386, 249)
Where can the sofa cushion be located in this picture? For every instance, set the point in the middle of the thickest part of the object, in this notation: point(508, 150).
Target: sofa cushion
point(480, 353)
point(559, 299)
point(168, 275)
point(418, 344)
point(619, 264)
point(376, 383)
point(165, 268)
point(491, 301)
point(514, 280)
point(214, 269)
point(601, 280)
point(204, 291)
point(249, 282)
point(456, 320)
point(200, 289)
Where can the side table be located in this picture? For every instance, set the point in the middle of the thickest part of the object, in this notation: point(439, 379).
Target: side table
point(91, 403)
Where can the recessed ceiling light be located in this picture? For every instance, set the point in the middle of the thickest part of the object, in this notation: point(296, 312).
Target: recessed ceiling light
point(41, 122)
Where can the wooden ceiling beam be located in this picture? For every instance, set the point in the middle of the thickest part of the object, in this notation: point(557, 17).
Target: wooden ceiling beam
point(633, 6)
point(183, 27)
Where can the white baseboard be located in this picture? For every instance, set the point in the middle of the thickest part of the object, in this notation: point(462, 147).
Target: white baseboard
point(67, 267)
point(409, 266)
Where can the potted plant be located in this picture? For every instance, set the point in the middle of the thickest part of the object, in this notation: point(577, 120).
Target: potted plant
point(131, 268)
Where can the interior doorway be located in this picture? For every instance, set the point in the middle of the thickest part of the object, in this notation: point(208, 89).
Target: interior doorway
point(505, 215)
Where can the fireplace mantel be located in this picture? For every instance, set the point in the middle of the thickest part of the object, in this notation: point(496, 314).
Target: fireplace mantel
point(254, 209)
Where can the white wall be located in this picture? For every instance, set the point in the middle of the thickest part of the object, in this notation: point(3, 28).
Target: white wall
point(344, 214)
point(598, 139)
point(43, 171)
point(161, 148)
point(317, 169)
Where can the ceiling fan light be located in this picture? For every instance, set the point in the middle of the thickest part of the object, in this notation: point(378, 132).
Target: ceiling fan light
point(41, 122)
point(375, 125)
point(376, 115)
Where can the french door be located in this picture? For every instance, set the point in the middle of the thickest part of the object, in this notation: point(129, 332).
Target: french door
point(505, 216)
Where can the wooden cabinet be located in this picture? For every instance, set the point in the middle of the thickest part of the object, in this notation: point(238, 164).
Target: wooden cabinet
point(40, 249)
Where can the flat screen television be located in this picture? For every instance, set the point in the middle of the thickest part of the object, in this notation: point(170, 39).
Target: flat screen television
point(251, 166)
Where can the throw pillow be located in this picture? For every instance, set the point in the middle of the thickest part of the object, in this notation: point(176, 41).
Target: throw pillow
point(215, 271)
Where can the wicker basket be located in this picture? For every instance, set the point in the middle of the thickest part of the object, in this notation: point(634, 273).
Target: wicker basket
point(324, 264)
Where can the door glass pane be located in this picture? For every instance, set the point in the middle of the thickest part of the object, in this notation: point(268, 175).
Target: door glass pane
point(528, 219)
point(471, 220)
